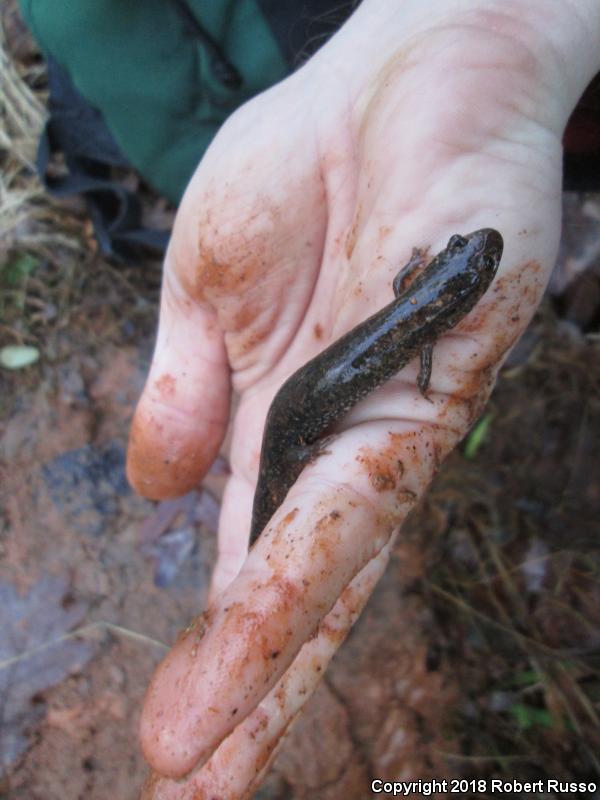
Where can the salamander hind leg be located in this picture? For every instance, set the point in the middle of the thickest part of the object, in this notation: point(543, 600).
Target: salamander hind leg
point(303, 454)
point(424, 375)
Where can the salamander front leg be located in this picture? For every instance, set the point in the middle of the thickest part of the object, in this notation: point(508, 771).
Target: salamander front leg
point(410, 271)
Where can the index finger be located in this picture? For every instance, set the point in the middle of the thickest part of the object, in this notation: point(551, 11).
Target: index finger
point(240, 762)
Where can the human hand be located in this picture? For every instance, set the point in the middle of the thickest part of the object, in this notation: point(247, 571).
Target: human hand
point(408, 126)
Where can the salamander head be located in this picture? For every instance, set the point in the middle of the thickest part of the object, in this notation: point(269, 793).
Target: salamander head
point(482, 251)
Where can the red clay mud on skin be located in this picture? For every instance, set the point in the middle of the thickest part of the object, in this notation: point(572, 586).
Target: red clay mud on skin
point(181, 673)
point(166, 385)
point(382, 466)
point(161, 468)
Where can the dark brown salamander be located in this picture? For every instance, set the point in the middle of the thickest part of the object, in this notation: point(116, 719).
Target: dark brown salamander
point(323, 390)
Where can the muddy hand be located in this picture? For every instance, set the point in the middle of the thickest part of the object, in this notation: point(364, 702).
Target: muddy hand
point(407, 127)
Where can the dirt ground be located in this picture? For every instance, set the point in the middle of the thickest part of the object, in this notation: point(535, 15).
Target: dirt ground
point(478, 654)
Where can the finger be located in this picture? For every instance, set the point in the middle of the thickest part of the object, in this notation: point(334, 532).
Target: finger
point(236, 510)
point(324, 534)
point(182, 415)
point(240, 762)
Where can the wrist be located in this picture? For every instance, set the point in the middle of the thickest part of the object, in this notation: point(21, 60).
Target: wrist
point(554, 48)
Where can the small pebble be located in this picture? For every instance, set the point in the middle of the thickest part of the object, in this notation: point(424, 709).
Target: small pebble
point(18, 356)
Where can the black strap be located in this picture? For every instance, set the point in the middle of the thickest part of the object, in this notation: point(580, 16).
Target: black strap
point(78, 130)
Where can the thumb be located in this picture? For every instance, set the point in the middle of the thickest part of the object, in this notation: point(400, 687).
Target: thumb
point(182, 415)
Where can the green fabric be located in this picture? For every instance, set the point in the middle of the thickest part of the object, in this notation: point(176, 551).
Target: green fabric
point(151, 79)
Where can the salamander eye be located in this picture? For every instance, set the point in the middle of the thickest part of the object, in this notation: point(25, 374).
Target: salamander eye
point(489, 262)
point(456, 241)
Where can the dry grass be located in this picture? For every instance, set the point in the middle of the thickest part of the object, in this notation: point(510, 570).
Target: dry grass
point(29, 219)
point(51, 273)
point(519, 568)
point(41, 241)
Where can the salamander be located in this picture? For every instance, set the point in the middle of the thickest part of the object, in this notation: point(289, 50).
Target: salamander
point(315, 397)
